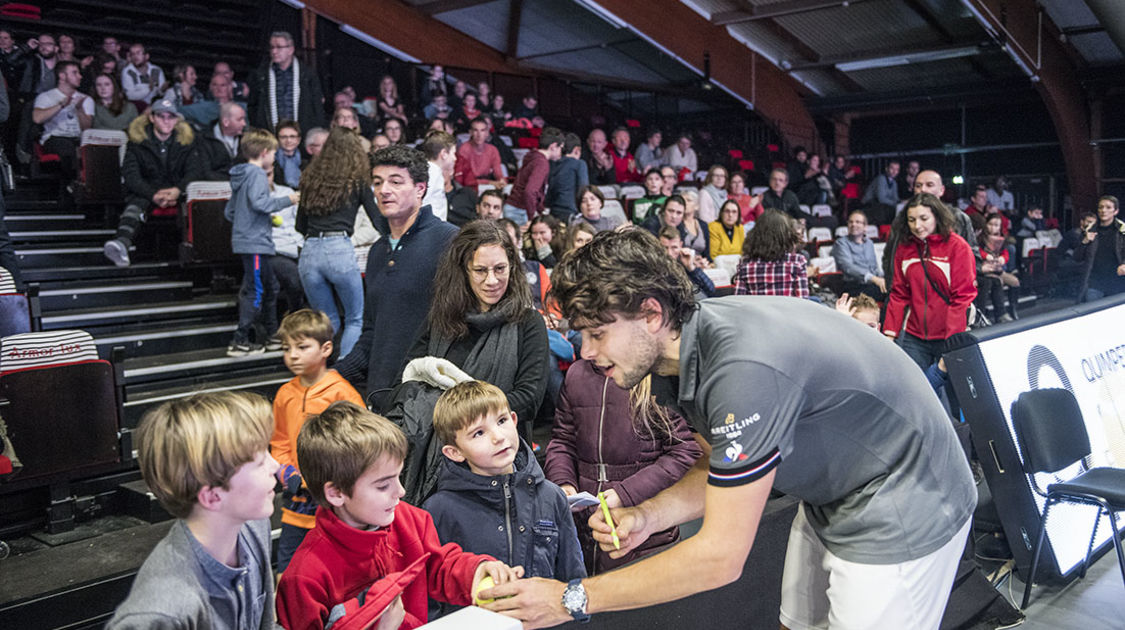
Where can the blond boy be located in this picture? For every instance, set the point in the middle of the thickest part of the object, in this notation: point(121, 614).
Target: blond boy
point(206, 459)
point(492, 496)
point(306, 344)
point(351, 460)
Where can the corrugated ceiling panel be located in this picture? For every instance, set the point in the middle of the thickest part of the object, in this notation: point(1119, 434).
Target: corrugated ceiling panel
point(642, 52)
point(824, 80)
point(864, 26)
point(550, 25)
point(758, 37)
point(602, 62)
point(711, 7)
point(1097, 48)
point(1069, 13)
point(921, 76)
point(486, 23)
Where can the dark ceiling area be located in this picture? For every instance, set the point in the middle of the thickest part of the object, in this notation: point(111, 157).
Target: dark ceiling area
point(845, 55)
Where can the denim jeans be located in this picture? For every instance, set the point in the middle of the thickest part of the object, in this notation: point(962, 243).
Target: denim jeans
point(257, 300)
point(285, 268)
point(923, 351)
point(328, 265)
point(1094, 294)
point(291, 538)
point(519, 215)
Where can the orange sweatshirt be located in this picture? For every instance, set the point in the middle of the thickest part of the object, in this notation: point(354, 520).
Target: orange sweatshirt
point(292, 405)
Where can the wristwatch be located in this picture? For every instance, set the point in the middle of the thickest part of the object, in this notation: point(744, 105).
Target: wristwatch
point(574, 600)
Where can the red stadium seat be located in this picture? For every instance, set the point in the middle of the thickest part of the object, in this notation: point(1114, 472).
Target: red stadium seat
point(99, 172)
point(206, 230)
point(62, 412)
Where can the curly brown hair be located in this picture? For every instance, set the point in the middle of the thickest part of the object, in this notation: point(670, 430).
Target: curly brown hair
point(456, 298)
point(331, 178)
point(772, 237)
point(615, 274)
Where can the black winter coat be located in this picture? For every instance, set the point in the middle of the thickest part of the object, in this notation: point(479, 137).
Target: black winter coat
point(143, 170)
point(215, 162)
point(520, 519)
point(310, 105)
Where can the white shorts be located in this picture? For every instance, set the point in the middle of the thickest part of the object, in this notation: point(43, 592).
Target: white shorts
point(821, 591)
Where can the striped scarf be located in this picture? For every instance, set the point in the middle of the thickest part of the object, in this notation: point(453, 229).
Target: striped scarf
point(273, 92)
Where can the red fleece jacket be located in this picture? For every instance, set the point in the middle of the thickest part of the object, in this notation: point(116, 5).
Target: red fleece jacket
point(336, 562)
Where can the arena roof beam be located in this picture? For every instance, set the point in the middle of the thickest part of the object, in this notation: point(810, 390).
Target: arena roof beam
point(893, 57)
point(515, 15)
point(1018, 24)
point(445, 6)
point(810, 55)
point(749, 12)
point(927, 14)
point(408, 29)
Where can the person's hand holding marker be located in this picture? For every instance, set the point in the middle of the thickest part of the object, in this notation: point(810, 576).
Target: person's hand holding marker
point(609, 521)
point(619, 530)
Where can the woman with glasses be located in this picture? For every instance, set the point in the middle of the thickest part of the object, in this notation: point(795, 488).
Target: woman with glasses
point(483, 321)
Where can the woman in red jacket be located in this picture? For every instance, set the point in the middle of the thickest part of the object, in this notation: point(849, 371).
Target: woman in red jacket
point(934, 277)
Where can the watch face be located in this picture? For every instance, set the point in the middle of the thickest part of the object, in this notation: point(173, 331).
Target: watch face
point(574, 598)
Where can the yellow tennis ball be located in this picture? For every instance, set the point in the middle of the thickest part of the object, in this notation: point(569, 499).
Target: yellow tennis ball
point(485, 582)
point(276, 220)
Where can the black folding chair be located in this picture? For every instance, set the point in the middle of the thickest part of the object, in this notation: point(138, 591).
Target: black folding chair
point(1052, 437)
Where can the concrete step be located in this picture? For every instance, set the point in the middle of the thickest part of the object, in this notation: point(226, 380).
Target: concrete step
point(61, 236)
point(151, 314)
point(126, 293)
point(38, 257)
point(26, 221)
point(151, 341)
point(139, 399)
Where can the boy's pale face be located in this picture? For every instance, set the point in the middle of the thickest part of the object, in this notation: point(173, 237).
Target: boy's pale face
point(489, 444)
point(305, 357)
point(374, 497)
point(249, 495)
point(266, 159)
point(868, 318)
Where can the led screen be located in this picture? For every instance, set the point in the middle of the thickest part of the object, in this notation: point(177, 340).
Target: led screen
point(1086, 355)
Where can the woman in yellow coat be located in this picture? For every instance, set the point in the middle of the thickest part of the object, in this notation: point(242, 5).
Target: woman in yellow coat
point(727, 233)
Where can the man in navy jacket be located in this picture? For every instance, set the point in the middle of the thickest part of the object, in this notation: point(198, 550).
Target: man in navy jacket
point(400, 269)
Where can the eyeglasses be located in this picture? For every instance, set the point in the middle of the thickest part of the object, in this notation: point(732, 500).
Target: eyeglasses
point(480, 274)
point(281, 47)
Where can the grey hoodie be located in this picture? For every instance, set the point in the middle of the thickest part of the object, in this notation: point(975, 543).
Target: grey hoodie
point(249, 209)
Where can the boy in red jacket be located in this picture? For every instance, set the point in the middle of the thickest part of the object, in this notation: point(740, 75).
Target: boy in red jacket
point(351, 460)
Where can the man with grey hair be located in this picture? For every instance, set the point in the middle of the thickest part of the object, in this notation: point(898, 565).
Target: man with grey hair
point(285, 89)
point(218, 144)
point(314, 140)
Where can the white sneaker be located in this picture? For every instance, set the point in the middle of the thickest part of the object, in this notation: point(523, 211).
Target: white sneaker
point(116, 251)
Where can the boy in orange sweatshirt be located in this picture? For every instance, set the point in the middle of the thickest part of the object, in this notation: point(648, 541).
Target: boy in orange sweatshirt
point(306, 344)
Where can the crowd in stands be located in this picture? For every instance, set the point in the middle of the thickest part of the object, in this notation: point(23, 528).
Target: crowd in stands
point(450, 312)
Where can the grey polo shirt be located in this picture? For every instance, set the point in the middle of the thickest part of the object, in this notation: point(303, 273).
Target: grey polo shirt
point(846, 418)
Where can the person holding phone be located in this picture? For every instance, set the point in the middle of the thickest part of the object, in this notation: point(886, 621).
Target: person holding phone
point(1102, 252)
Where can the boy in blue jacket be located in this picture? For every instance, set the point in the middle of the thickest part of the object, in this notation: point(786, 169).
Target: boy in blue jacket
point(251, 238)
point(492, 497)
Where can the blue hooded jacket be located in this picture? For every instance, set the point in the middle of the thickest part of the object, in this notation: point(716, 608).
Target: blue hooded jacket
point(521, 518)
point(249, 209)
